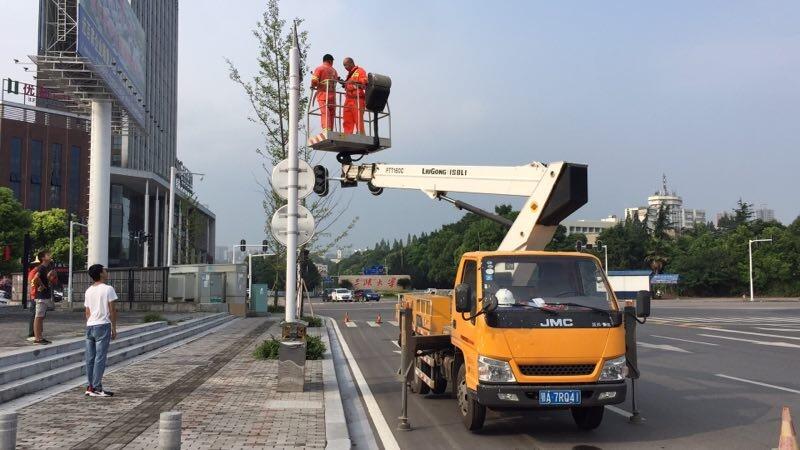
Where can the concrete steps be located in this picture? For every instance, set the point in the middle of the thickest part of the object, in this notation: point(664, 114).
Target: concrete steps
point(30, 370)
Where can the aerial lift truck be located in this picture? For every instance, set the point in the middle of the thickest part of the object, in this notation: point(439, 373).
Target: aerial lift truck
point(523, 328)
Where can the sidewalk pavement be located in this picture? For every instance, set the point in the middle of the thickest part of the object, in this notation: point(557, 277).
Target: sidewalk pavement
point(227, 397)
point(61, 324)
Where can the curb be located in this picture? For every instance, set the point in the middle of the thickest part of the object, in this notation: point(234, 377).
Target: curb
point(337, 435)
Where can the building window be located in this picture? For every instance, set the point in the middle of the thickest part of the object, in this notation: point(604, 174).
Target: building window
point(74, 180)
point(116, 151)
point(15, 167)
point(35, 197)
point(55, 176)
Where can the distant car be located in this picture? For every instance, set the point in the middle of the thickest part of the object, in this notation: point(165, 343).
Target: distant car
point(430, 291)
point(366, 295)
point(341, 295)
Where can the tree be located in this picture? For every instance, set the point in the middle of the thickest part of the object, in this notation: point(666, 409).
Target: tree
point(50, 231)
point(627, 244)
point(742, 213)
point(15, 221)
point(269, 100)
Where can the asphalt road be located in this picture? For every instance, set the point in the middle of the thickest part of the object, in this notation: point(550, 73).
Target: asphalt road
point(714, 375)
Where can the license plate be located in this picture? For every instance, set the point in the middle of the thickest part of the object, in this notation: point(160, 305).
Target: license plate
point(560, 397)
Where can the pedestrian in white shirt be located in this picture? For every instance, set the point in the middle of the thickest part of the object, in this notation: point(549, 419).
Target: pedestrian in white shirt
point(101, 328)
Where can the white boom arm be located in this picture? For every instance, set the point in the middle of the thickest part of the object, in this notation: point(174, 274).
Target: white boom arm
point(554, 191)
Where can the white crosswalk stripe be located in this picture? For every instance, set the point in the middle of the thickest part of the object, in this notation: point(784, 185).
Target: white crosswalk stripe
point(351, 324)
point(783, 322)
point(393, 323)
point(373, 324)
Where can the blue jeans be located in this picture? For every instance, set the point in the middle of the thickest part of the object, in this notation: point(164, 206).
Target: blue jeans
point(97, 339)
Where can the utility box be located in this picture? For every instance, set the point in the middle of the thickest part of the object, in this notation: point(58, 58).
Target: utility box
point(259, 297)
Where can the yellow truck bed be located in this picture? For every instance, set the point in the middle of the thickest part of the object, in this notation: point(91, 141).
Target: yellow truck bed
point(430, 312)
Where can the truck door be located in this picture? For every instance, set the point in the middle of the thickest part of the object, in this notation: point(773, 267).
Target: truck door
point(464, 330)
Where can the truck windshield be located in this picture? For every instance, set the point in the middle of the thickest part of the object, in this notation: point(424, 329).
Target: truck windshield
point(546, 282)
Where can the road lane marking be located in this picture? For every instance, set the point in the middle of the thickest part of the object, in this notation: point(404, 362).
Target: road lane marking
point(670, 348)
point(384, 432)
point(796, 330)
point(397, 351)
point(619, 411)
point(683, 340)
point(396, 344)
point(753, 341)
point(796, 338)
point(350, 324)
point(780, 388)
point(373, 324)
point(393, 323)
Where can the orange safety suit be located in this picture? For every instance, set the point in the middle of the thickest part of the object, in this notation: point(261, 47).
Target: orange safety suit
point(324, 81)
point(354, 100)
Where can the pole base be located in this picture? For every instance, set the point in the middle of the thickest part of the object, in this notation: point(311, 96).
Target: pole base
point(403, 425)
point(636, 418)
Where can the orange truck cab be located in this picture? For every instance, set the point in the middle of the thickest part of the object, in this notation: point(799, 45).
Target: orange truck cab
point(527, 330)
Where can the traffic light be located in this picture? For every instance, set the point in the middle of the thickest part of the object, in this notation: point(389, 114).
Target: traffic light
point(242, 245)
point(264, 246)
point(320, 180)
point(578, 246)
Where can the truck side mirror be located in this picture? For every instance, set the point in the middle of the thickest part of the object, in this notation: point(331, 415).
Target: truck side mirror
point(643, 304)
point(463, 298)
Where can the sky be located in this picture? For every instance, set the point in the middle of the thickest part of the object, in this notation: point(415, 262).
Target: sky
point(706, 92)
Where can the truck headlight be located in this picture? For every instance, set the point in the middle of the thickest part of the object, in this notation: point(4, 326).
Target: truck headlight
point(614, 370)
point(494, 371)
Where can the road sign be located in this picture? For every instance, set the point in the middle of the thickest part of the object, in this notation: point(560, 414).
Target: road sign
point(280, 179)
point(305, 224)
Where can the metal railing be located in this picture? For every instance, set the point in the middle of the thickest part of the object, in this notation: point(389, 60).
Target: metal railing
point(133, 285)
point(314, 114)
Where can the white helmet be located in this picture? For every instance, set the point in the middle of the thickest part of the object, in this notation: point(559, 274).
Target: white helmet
point(504, 297)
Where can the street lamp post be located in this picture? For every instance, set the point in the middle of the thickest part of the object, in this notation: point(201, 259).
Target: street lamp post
point(750, 252)
point(72, 225)
point(173, 175)
point(605, 253)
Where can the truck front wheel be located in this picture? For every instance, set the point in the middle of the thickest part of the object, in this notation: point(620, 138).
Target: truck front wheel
point(588, 418)
point(472, 413)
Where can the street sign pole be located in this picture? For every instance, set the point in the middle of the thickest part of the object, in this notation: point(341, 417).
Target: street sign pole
point(293, 201)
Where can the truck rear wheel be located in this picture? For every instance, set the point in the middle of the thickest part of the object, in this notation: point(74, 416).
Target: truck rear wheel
point(588, 418)
point(472, 413)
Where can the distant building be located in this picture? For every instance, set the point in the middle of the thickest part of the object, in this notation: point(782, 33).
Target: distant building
point(322, 269)
point(678, 216)
point(590, 228)
point(762, 213)
point(765, 214)
point(222, 254)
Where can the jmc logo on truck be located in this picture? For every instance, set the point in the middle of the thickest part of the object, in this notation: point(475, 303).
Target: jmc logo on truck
point(556, 323)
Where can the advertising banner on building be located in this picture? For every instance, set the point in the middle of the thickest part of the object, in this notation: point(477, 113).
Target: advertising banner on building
point(376, 282)
point(111, 38)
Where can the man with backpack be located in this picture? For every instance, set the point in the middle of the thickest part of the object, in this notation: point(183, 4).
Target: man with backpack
point(42, 294)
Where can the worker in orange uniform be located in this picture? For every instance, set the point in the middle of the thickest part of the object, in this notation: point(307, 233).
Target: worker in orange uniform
point(324, 81)
point(354, 97)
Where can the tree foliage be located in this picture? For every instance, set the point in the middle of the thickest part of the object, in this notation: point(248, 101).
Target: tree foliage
point(710, 261)
point(14, 223)
point(268, 94)
point(431, 259)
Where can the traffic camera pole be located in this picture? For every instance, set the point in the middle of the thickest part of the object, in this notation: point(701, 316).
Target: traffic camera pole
point(293, 201)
